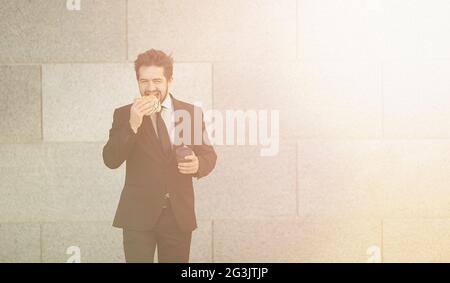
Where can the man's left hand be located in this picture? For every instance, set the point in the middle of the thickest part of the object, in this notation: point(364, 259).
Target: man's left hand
point(190, 167)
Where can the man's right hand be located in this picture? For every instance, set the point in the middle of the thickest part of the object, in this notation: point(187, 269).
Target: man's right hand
point(140, 108)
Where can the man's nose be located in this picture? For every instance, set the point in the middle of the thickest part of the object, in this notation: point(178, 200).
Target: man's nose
point(150, 88)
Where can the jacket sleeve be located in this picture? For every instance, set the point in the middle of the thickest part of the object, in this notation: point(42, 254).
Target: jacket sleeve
point(206, 154)
point(120, 143)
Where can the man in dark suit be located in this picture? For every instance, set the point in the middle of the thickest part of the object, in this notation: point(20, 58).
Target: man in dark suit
point(156, 207)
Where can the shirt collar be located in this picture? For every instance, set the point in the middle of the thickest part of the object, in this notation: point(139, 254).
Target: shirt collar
point(167, 103)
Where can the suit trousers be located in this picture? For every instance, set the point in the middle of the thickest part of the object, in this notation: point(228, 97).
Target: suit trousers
point(173, 245)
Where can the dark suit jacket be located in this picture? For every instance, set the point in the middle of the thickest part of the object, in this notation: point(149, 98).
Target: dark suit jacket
point(149, 175)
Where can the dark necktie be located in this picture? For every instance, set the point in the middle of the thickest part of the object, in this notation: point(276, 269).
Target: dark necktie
point(163, 134)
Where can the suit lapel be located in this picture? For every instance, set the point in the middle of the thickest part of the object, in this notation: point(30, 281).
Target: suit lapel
point(177, 106)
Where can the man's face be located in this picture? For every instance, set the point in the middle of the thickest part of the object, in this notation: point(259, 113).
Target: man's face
point(153, 82)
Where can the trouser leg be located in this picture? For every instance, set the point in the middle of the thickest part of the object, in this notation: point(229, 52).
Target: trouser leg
point(139, 246)
point(173, 244)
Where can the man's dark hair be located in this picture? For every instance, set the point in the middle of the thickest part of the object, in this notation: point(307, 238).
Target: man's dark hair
point(157, 58)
